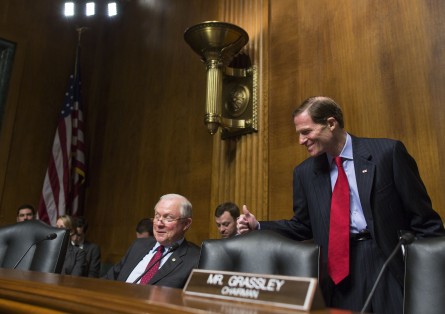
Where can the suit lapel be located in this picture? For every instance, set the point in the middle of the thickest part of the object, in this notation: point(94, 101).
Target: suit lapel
point(364, 173)
point(174, 261)
point(140, 254)
point(321, 186)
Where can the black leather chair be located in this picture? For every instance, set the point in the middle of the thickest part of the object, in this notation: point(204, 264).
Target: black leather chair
point(261, 252)
point(47, 255)
point(425, 277)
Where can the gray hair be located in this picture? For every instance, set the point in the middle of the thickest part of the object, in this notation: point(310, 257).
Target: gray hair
point(185, 207)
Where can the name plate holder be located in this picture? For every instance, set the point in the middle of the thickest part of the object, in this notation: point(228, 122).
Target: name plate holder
point(299, 293)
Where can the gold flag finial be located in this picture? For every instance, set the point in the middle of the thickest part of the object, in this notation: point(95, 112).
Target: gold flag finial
point(80, 30)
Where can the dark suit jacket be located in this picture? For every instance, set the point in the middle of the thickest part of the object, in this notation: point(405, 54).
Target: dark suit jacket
point(391, 192)
point(75, 261)
point(92, 251)
point(174, 273)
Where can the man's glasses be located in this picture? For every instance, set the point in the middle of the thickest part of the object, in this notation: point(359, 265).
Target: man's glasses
point(165, 220)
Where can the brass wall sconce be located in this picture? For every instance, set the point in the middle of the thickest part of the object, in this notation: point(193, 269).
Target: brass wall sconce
point(231, 97)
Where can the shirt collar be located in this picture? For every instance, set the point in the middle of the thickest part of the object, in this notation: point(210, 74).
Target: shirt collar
point(158, 244)
point(346, 152)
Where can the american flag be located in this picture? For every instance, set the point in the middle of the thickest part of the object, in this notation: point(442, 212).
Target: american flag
point(65, 177)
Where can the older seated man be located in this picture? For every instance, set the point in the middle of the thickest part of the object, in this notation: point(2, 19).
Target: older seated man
point(166, 259)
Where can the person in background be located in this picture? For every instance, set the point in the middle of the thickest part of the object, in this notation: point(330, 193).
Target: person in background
point(172, 219)
point(92, 250)
point(26, 212)
point(144, 228)
point(226, 215)
point(75, 259)
point(382, 194)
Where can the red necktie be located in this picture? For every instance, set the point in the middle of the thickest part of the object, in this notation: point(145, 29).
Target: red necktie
point(338, 247)
point(155, 259)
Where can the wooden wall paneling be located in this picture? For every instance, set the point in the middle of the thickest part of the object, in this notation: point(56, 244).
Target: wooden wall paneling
point(284, 91)
point(239, 166)
point(43, 61)
point(378, 59)
point(434, 26)
point(144, 93)
point(148, 122)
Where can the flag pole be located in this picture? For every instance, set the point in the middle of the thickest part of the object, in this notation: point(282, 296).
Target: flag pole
point(79, 30)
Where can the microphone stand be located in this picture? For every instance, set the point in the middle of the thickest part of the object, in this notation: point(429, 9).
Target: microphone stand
point(50, 236)
point(406, 239)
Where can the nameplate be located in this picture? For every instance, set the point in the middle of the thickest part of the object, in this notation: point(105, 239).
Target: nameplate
point(300, 293)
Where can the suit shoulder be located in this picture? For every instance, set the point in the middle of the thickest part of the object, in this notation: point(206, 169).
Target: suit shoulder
point(312, 163)
point(193, 247)
point(377, 145)
point(92, 245)
point(143, 242)
point(376, 141)
point(77, 251)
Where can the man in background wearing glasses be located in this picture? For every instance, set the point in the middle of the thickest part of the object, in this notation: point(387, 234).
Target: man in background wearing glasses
point(167, 258)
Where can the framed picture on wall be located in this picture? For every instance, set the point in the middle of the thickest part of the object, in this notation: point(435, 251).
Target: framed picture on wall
point(7, 50)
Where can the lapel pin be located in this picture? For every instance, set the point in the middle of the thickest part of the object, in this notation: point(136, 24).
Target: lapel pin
point(364, 170)
point(173, 259)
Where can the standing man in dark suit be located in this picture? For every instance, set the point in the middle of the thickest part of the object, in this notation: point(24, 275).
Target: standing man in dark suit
point(91, 249)
point(386, 197)
point(172, 219)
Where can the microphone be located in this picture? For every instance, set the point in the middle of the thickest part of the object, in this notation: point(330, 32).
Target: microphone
point(405, 239)
point(171, 249)
point(50, 236)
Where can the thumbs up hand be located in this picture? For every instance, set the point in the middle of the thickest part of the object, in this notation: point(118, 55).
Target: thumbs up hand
point(246, 221)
